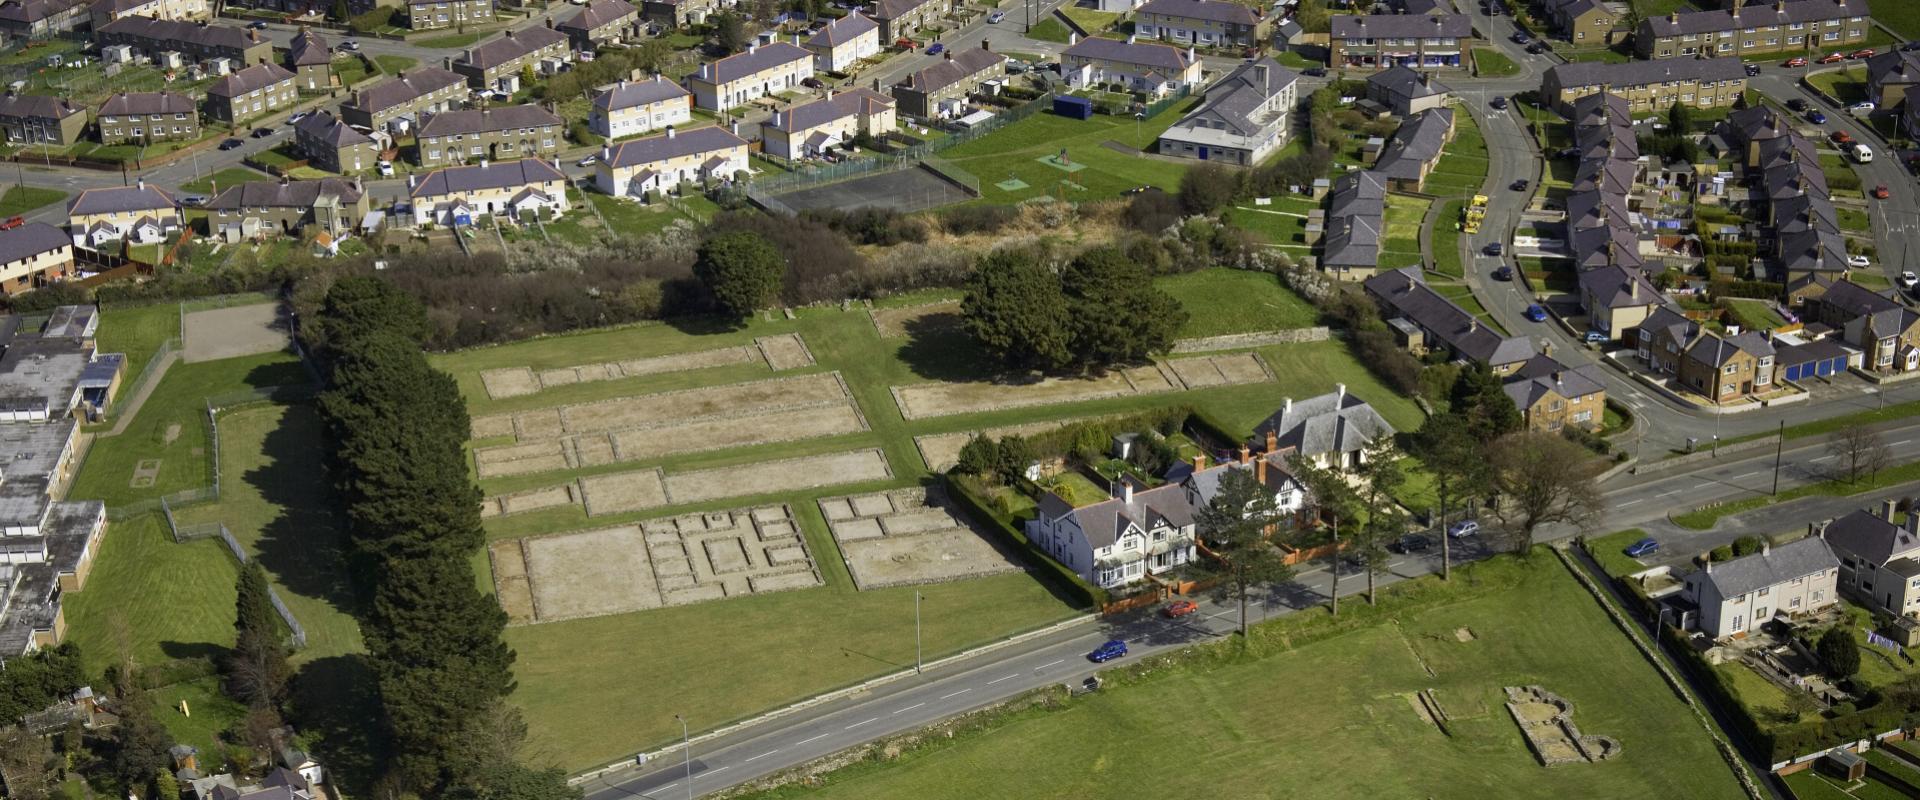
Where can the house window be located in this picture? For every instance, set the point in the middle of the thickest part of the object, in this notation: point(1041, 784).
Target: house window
point(1818, 594)
point(1794, 603)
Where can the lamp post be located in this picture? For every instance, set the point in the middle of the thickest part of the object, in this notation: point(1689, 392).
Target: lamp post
point(1778, 444)
point(916, 632)
point(686, 750)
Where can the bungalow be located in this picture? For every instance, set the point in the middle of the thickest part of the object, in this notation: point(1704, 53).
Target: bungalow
point(1242, 118)
point(1415, 149)
point(1378, 41)
point(1735, 597)
point(452, 137)
point(932, 92)
point(1406, 92)
point(840, 44)
point(39, 119)
point(601, 22)
point(1155, 69)
point(458, 195)
point(1552, 395)
point(1356, 219)
point(262, 208)
point(901, 18)
point(426, 90)
point(1207, 23)
point(633, 108)
point(486, 65)
point(311, 61)
point(1879, 558)
point(742, 78)
point(139, 212)
point(660, 163)
point(147, 117)
point(1424, 320)
point(251, 92)
point(33, 255)
point(808, 130)
point(333, 145)
point(1332, 430)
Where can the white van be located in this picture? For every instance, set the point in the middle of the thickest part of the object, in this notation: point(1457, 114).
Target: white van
point(1862, 153)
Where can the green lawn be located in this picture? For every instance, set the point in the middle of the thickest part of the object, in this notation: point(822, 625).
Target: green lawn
point(1848, 84)
point(1049, 30)
point(22, 199)
point(209, 713)
point(1223, 301)
point(1093, 22)
point(224, 179)
point(394, 65)
point(352, 70)
point(1446, 240)
point(1490, 62)
point(1853, 219)
point(1903, 16)
point(1462, 169)
point(136, 331)
point(1610, 551)
point(449, 42)
point(1284, 222)
point(1016, 150)
point(1759, 312)
point(1254, 723)
point(151, 598)
point(627, 218)
point(1402, 235)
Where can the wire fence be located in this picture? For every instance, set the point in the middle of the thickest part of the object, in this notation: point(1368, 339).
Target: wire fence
point(297, 633)
point(911, 156)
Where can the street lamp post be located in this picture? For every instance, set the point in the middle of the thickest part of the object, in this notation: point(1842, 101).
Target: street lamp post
point(1779, 444)
point(686, 750)
point(916, 632)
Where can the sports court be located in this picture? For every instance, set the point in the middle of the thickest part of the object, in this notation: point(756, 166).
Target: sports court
point(915, 189)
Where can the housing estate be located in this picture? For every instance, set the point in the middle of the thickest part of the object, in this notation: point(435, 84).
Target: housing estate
point(1414, 149)
point(259, 89)
point(486, 65)
point(900, 18)
point(1243, 117)
point(1786, 166)
point(631, 108)
point(1356, 223)
point(1587, 22)
point(311, 61)
point(1617, 298)
point(677, 13)
point(139, 213)
point(744, 77)
point(1405, 91)
point(940, 91)
point(39, 119)
point(1649, 85)
point(1812, 26)
point(1718, 367)
point(332, 145)
point(1208, 23)
point(452, 137)
point(1332, 430)
point(197, 41)
point(1890, 75)
point(1884, 331)
point(426, 15)
point(1378, 41)
point(404, 97)
point(1600, 232)
point(840, 44)
point(1879, 558)
point(514, 189)
point(147, 117)
point(1552, 395)
point(106, 11)
point(1424, 321)
point(601, 22)
point(1735, 597)
point(286, 207)
point(33, 255)
point(809, 130)
point(1155, 69)
point(42, 19)
point(658, 163)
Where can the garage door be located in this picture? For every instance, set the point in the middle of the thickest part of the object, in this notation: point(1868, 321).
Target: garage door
point(1793, 372)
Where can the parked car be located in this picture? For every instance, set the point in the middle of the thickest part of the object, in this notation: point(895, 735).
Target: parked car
point(230, 144)
point(385, 167)
point(262, 133)
point(1015, 67)
point(1816, 117)
point(1413, 543)
point(588, 161)
point(1504, 273)
point(1357, 559)
point(1114, 648)
point(1910, 46)
point(1463, 529)
point(1798, 104)
point(1537, 313)
point(1858, 262)
point(1598, 337)
point(812, 82)
point(1643, 548)
point(1834, 58)
point(1181, 608)
point(258, 25)
point(936, 48)
point(1536, 48)
point(1862, 108)
point(1752, 70)
point(190, 200)
point(297, 117)
point(1797, 61)
point(1520, 37)
point(1314, 72)
point(1493, 249)
point(1841, 137)
point(1881, 193)
point(996, 17)
point(1520, 185)
point(350, 46)
point(1865, 52)
point(1908, 280)
point(1498, 102)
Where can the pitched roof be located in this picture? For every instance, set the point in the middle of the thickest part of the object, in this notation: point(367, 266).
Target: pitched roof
point(1407, 293)
point(258, 76)
point(1147, 54)
point(1415, 144)
point(1669, 321)
point(307, 50)
point(598, 13)
point(672, 145)
point(1370, 26)
point(819, 112)
point(1356, 214)
point(30, 12)
point(31, 239)
point(289, 194)
point(1233, 101)
point(1816, 350)
point(1335, 422)
point(1855, 300)
point(1641, 73)
point(956, 68)
point(1894, 66)
point(1771, 567)
point(628, 94)
point(1754, 16)
point(126, 103)
point(1864, 534)
point(752, 62)
point(120, 199)
point(487, 120)
point(1211, 10)
point(895, 9)
point(199, 34)
point(511, 45)
point(491, 175)
point(1173, 503)
point(843, 30)
point(1543, 376)
point(404, 88)
point(1618, 286)
point(323, 126)
point(38, 106)
point(1401, 81)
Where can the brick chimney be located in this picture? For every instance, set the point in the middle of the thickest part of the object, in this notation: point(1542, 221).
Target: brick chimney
point(1199, 462)
point(1245, 454)
point(1273, 441)
point(1260, 470)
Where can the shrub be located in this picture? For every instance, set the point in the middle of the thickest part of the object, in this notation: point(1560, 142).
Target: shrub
point(1206, 188)
point(1747, 545)
point(963, 220)
point(376, 19)
point(1721, 553)
point(874, 226)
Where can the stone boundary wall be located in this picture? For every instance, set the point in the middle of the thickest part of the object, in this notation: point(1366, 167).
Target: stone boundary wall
point(1235, 341)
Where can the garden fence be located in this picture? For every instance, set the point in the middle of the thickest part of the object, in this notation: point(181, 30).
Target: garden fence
point(817, 175)
point(207, 530)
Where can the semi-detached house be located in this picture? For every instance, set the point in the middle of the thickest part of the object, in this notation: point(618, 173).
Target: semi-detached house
point(940, 91)
point(1207, 23)
point(251, 92)
point(1378, 41)
point(426, 15)
point(516, 189)
point(311, 61)
point(1585, 22)
point(41, 19)
point(659, 163)
point(1879, 558)
point(601, 22)
point(39, 119)
point(485, 65)
point(811, 129)
point(899, 18)
point(1552, 395)
point(631, 108)
point(148, 117)
point(1806, 27)
point(139, 212)
point(842, 43)
point(33, 255)
point(1154, 69)
point(333, 145)
point(406, 96)
point(1721, 368)
point(284, 207)
point(1736, 597)
point(742, 78)
point(453, 137)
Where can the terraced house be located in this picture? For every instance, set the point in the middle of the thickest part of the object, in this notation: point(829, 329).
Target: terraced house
point(33, 255)
point(332, 145)
point(139, 212)
point(664, 162)
point(407, 96)
point(41, 19)
point(275, 208)
point(1206, 23)
point(1242, 119)
point(1785, 165)
point(842, 43)
point(485, 65)
point(1649, 86)
point(677, 13)
point(147, 117)
point(811, 129)
point(515, 189)
point(251, 92)
point(426, 15)
point(1414, 149)
point(1552, 395)
point(939, 91)
point(1785, 26)
point(898, 18)
point(631, 108)
point(1425, 321)
point(197, 41)
point(1155, 69)
point(454, 137)
point(38, 119)
point(107, 11)
point(1355, 224)
point(601, 22)
point(742, 78)
point(1378, 41)
point(311, 61)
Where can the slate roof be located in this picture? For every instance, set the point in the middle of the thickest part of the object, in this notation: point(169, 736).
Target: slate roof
point(1855, 300)
point(38, 106)
point(1406, 292)
point(1335, 422)
point(1356, 214)
point(1817, 350)
point(31, 11)
point(1864, 534)
point(963, 65)
point(1400, 81)
point(1669, 321)
point(290, 194)
point(1416, 144)
point(1211, 10)
point(511, 45)
point(894, 9)
point(1543, 376)
point(135, 103)
point(598, 13)
point(199, 34)
point(1715, 350)
point(1375, 26)
point(1147, 54)
point(843, 30)
point(479, 177)
point(1235, 98)
point(1754, 16)
point(1618, 287)
point(258, 76)
point(119, 199)
point(1641, 73)
point(1896, 67)
point(307, 50)
point(680, 143)
point(323, 126)
point(1771, 567)
point(819, 112)
point(31, 239)
point(487, 120)
point(752, 62)
point(404, 88)
point(629, 94)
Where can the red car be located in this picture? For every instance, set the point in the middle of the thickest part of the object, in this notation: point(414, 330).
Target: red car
point(1796, 61)
point(1864, 53)
point(1841, 137)
point(13, 222)
point(1880, 192)
point(1181, 608)
point(1833, 58)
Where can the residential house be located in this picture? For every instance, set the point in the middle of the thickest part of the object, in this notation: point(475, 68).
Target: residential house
point(1585, 22)
point(678, 13)
point(280, 784)
point(938, 91)
point(1146, 531)
point(506, 56)
point(1889, 339)
point(810, 129)
point(459, 195)
point(742, 78)
point(332, 145)
point(311, 61)
point(105, 11)
point(900, 18)
point(1843, 301)
point(39, 119)
point(1406, 92)
point(1356, 224)
point(1552, 395)
point(1378, 41)
point(660, 163)
point(1890, 75)
point(42, 19)
point(1649, 86)
point(251, 92)
point(197, 41)
point(1809, 27)
point(1424, 320)
point(286, 207)
point(1242, 119)
point(139, 212)
point(33, 255)
point(631, 108)
point(1155, 69)
point(426, 15)
point(146, 117)
point(1206, 23)
point(1617, 298)
point(453, 137)
point(426, 90)
point(842, 43)
point(601, 22)
point(1414, 149)
point(1785, 166)
point(1721, 368)
point(1879, 558)
point(1332, 430)
point(1735, 597)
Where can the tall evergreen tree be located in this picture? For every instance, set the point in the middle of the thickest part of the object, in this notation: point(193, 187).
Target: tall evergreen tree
point(257, 669)
point(1115, 313)
point(1458, 464)
point(742, 269)
point(1237, 525)
point(1015, 310)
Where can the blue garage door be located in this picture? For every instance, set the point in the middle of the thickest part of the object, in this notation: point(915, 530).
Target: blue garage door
point(1793, 372)
point(1833, 365)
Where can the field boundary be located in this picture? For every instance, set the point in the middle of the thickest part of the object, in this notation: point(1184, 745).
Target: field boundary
point(186, 533)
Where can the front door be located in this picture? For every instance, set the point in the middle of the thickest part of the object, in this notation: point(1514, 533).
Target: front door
point(1203, 152)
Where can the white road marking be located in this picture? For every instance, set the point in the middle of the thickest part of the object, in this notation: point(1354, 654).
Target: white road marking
point(1901, 442)
point(1221, 614)
point(909, 708)
point(997, 680)
point(714, 770)
point(1631, 502)
point(955, 694)
point(1824, 458)
point(1750, 474)
point(1049, 664)
point(1670, 494)
point(860, 723)
point(762, 755)
point(814, 739)
point(666, 787)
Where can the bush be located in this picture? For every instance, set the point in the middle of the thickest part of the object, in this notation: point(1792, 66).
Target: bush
point(376, 19)
point(1064, 582)
point(1747, 545)
point(873, 226)
point(1758, 290)
point(1153, 211)
point(819, 260)
point(1588, 439)
point(1206, 188)
point(1721, 553)
point(964, 220)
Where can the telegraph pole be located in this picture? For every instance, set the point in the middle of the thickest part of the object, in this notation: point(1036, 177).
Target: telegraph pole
point(1778, 445)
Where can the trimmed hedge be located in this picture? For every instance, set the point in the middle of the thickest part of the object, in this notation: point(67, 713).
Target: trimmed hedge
point(1057, 578)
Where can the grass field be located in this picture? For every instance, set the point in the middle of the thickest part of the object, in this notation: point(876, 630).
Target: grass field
point(1093, 22)
point(449, 42)
point(1446, 240)
point(1251, 724)
point(22, 199)
point(1902, 16)
point(1049, 30)
point(151, 598)
point(1223, 301)
point(1847, 84)
point(224, 179)
point(394, 65)
point(1489, 62)
point(1610, 551)
point(1462, 169)
point(137, 332)
point(1401, 239)
point(1016, 150)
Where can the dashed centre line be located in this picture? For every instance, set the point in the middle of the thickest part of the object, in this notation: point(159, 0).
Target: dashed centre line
point(860, 723)
point(997, 680)
point(909, 708)
point(955, 694)
point(814, 739)
point(762, 755)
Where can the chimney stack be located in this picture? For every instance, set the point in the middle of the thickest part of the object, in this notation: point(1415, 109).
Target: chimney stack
point(1286, 406)
point(1245, 454)
point(1126, 490)
point(1073, 39)
point(1886, 510)
point(1260, 470)
point(1199, 462)
point(1339, 394)
point(1273, 441)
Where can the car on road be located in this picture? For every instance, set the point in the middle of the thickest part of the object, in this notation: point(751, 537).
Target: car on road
point(1841, 137)
point(1833, 59)
point(1493, 249)
point(350, 46)
point(996, 17)
point(262, 133)
point(1463, 529)
point(1504, 273)
point(230, 144)
point(1412, 543)
point(297, 117)
point(1858, 262)
point(258, 25)
point(189, 200)
point(1314, 72)
point(1643, 548)
point(1752, 70)
point(1881, 192)
point(1597, 337)
point(1908, 280)
point(1862, 108)
point(1865, 52)
point(1520, 185)
point(1357, 559)
point(17, 221)
point(1797, 104)
point(1536, 48)
point(1910, 46)
point(1816, 117)
point(1797, 61)
point(1498, 102)
point(1114, 648)
point(1520, 37)
point(936, 48)
point(1537, 313)
point(588, 161)
point(1181, 608)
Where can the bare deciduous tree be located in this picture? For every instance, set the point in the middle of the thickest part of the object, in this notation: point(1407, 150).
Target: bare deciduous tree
point(1859, 450)
point(1542, 479)
point(24, 760)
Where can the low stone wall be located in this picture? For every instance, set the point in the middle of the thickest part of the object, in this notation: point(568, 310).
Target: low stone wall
point(1235, 341)
point(1762, 443)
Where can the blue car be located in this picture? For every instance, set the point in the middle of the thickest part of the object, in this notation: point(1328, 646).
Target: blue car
point(1817, 118)
point(1537, 313)
point(936, 49)
point(1114, 648)
point(1643, 548)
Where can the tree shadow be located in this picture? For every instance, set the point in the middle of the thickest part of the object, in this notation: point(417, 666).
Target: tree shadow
point(938, 349)
point(704, 324)
point(337, 703)
point(304, 545)
point(194, 650)
point(290, 377)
